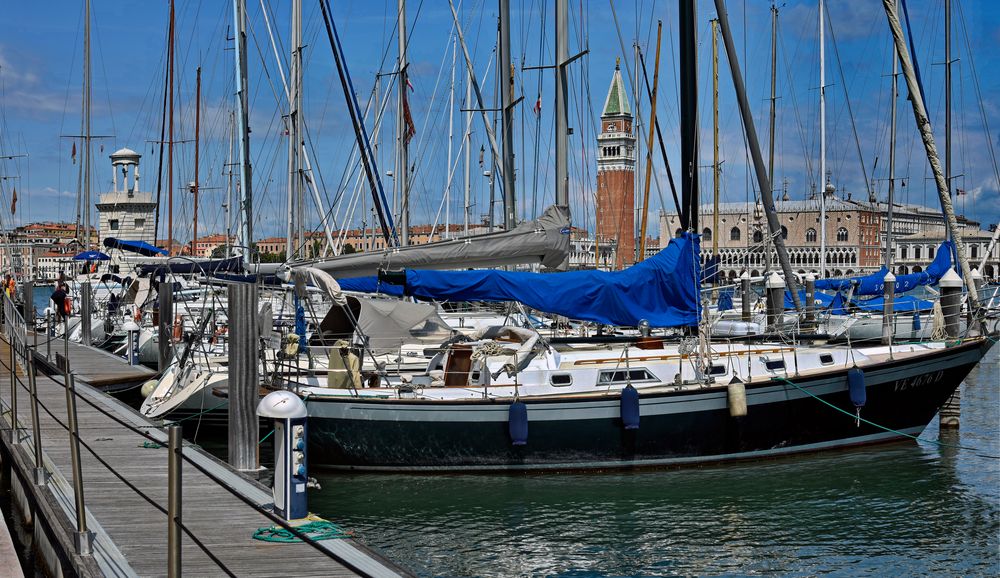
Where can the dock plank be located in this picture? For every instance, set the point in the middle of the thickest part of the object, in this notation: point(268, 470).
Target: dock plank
point(97, 367)
point(136, 529)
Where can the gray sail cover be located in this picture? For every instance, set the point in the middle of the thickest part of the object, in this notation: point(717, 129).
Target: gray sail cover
point(544, 240)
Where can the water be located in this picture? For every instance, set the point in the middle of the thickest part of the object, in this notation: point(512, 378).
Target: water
point(904, 509)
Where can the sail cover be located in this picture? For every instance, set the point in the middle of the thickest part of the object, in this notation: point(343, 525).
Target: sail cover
point(662, 289)
point(873, 284)
point(544, 240)
point(140, 247)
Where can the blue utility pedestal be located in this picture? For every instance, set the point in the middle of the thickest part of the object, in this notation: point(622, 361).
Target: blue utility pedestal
point(290, 465)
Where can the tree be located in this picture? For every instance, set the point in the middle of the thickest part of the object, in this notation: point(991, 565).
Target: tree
point(348, 249)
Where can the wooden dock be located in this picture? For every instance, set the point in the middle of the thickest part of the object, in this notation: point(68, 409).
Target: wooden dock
point(130, 529)
point(99, 368)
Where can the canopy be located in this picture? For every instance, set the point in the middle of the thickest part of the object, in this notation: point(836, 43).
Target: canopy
point(663, 289)
point(91, 256)
point(140, 247)
point(544, 240)
point(874, 284)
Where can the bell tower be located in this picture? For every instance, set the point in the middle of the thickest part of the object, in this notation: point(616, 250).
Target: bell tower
point(616, 174)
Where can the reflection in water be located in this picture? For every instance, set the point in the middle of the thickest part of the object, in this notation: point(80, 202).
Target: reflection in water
point(912, 509)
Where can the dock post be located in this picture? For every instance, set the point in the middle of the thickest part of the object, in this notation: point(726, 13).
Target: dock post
point(745, 295)
point(888, 296)
point(243, 384)
point(174, 511)
point(775, 287)
point(28, 294)
point(48, 334)
point(973, 321)
point(84, 538)
point(41, 476)
point(810, 300)
point(951, 305)
point(85, 311)
point(11, 345)
point(166, 329)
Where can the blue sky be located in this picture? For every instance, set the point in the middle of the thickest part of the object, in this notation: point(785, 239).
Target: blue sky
point(41, 71)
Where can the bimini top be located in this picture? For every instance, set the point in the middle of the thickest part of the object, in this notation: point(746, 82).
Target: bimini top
point(874, 284)
point(140, 247)
point(662, 290)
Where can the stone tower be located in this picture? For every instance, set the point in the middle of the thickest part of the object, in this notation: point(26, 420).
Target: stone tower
point(616, 174)
point(126, 212)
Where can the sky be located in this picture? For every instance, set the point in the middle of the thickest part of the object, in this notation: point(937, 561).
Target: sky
point(41, 70)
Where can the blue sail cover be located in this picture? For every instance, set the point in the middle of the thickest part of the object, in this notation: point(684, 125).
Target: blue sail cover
point(873, 283)
point(905, 303)
point(370, 284)
point(140, 247)
point(663, 289)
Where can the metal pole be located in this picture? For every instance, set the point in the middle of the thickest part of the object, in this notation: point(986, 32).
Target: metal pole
point(506, 68)
point(947, 99)
point(243, 118)
point(768, 248)
point(28, 295)
point(689, 115)
point(762, 180)
point(174, 503)
point(41, 476)
point(243, 376)
point(83, 537)
point(649, 147)
point(468, 152)
point(48, 335)
point(402, 132)
point(892, 161)
point(13, 384)
point(822, 145)
point(715, 139)
point(166, 330)
point(86, 304)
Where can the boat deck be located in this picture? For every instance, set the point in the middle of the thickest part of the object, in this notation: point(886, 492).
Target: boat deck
point(126, 495)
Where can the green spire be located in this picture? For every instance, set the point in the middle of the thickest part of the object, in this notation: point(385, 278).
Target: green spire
point(617, 103)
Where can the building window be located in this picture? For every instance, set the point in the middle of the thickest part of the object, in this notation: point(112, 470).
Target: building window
point(758, 237)
point(784, 232)
point(916, 252)
point(930, 252)
point(677, 233)
point(842, 235)
point(975, 251)
point(902, 252)
point(734, 234)
point(113, 224)
point(140, 223)
point(810, 235)
point(706, 234)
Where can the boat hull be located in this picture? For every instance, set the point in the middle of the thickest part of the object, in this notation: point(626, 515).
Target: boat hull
point(676, 427)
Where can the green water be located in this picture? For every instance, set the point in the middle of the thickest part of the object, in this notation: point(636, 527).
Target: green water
point(900, 509)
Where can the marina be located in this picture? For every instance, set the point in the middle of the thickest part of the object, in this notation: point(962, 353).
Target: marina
point(286, 326)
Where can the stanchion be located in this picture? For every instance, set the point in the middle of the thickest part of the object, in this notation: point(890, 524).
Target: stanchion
point(174, 493)
point(41, 476)
point(83, 537)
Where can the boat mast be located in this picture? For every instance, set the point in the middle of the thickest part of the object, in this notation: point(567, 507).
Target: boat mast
point(715, 139)
point(927, 135)
point(468, 149)
point(947, 100)
point(506, 68)
point(229, 185)
point(770, 152)
point(822, 145)
point(293, 231)
point(243, 118)
point(88, 149)
point(774, 227)
point(197, 184)
point(170, 136)
point(892, 162)
point(451, 141)
point(689, 116)
point(402, 134)
point(561, 108)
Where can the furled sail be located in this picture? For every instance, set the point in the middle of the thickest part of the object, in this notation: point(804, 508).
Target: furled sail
point(544, 240)
point(663, 289)
point(873, 284)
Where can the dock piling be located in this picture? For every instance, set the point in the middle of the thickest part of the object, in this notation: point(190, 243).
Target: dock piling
point(48, 334)
point(951, 305)
point(745, 296)
point(243, 376)
point(166, 330)
point(889, 295)
point(810, 301)
point(174, 496)
point(775, 290)
point(86, 304)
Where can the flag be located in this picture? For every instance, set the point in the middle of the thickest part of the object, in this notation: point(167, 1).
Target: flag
point(409, 84)
point(13, 202)
point(408, 119)
point(482, 149)
point(72, 153)
point(538, 105)
point(960, 191)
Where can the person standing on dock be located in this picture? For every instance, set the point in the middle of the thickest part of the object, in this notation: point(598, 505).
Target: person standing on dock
point(58, 299)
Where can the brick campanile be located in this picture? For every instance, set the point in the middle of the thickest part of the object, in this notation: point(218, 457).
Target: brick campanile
point(616, 174)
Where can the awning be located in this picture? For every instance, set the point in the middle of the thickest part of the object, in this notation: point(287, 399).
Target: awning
point(91, 256)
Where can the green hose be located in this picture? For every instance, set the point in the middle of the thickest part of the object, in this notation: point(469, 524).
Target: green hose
point(316, 531)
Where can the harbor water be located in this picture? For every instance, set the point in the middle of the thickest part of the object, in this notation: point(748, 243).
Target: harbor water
point(904, 509)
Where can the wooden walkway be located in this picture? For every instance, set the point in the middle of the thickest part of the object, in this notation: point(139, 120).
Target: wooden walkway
point(131, 534)
point(97, 367)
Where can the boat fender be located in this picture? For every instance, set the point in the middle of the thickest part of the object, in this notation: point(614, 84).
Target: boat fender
point(916, 320)
point(737, 397)
point(856, 387)
point(630, 408)
point(147, 388)
point(517, 423)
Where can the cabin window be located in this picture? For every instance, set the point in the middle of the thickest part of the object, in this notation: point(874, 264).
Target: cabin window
point(826, 358)
point(621, 376)
point(717, 369)
point(561, 379)
point(774, 364)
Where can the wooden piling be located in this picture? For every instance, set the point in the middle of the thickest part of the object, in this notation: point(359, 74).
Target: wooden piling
point(243, 376)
